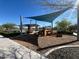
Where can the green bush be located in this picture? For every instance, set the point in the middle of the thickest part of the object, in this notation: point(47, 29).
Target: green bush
point(12, 34)
point(67, 32)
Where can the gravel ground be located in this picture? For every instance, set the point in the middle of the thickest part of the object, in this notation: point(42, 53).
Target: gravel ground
point(44, 42)
point(65, 53)
point(51, 41)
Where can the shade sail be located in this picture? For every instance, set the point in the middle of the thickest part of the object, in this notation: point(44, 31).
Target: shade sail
point(48, 17)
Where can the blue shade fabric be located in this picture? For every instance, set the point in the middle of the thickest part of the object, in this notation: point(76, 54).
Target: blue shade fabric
point(48, 17)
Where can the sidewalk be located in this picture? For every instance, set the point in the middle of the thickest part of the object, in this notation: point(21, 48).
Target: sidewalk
point(13, 50)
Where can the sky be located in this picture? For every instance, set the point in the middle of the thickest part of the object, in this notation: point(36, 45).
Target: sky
point(11, 10)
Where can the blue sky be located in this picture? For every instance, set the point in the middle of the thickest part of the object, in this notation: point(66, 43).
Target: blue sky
point(10, 10)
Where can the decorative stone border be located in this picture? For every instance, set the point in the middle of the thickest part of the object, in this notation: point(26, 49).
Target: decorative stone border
point(53, 49)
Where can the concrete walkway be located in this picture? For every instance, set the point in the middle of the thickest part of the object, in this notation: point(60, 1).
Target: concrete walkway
point(12, 50)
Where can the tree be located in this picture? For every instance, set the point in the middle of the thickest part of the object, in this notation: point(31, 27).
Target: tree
point(1, 28)
point(72, 27)
point(8, 26)
point(63, 25)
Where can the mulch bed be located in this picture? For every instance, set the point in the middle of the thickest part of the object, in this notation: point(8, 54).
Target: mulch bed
point(65, 53)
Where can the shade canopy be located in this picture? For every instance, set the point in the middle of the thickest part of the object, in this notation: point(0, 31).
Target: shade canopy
point(48, 17)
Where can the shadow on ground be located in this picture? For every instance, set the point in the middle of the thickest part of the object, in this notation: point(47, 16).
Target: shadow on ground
point(33, 39)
